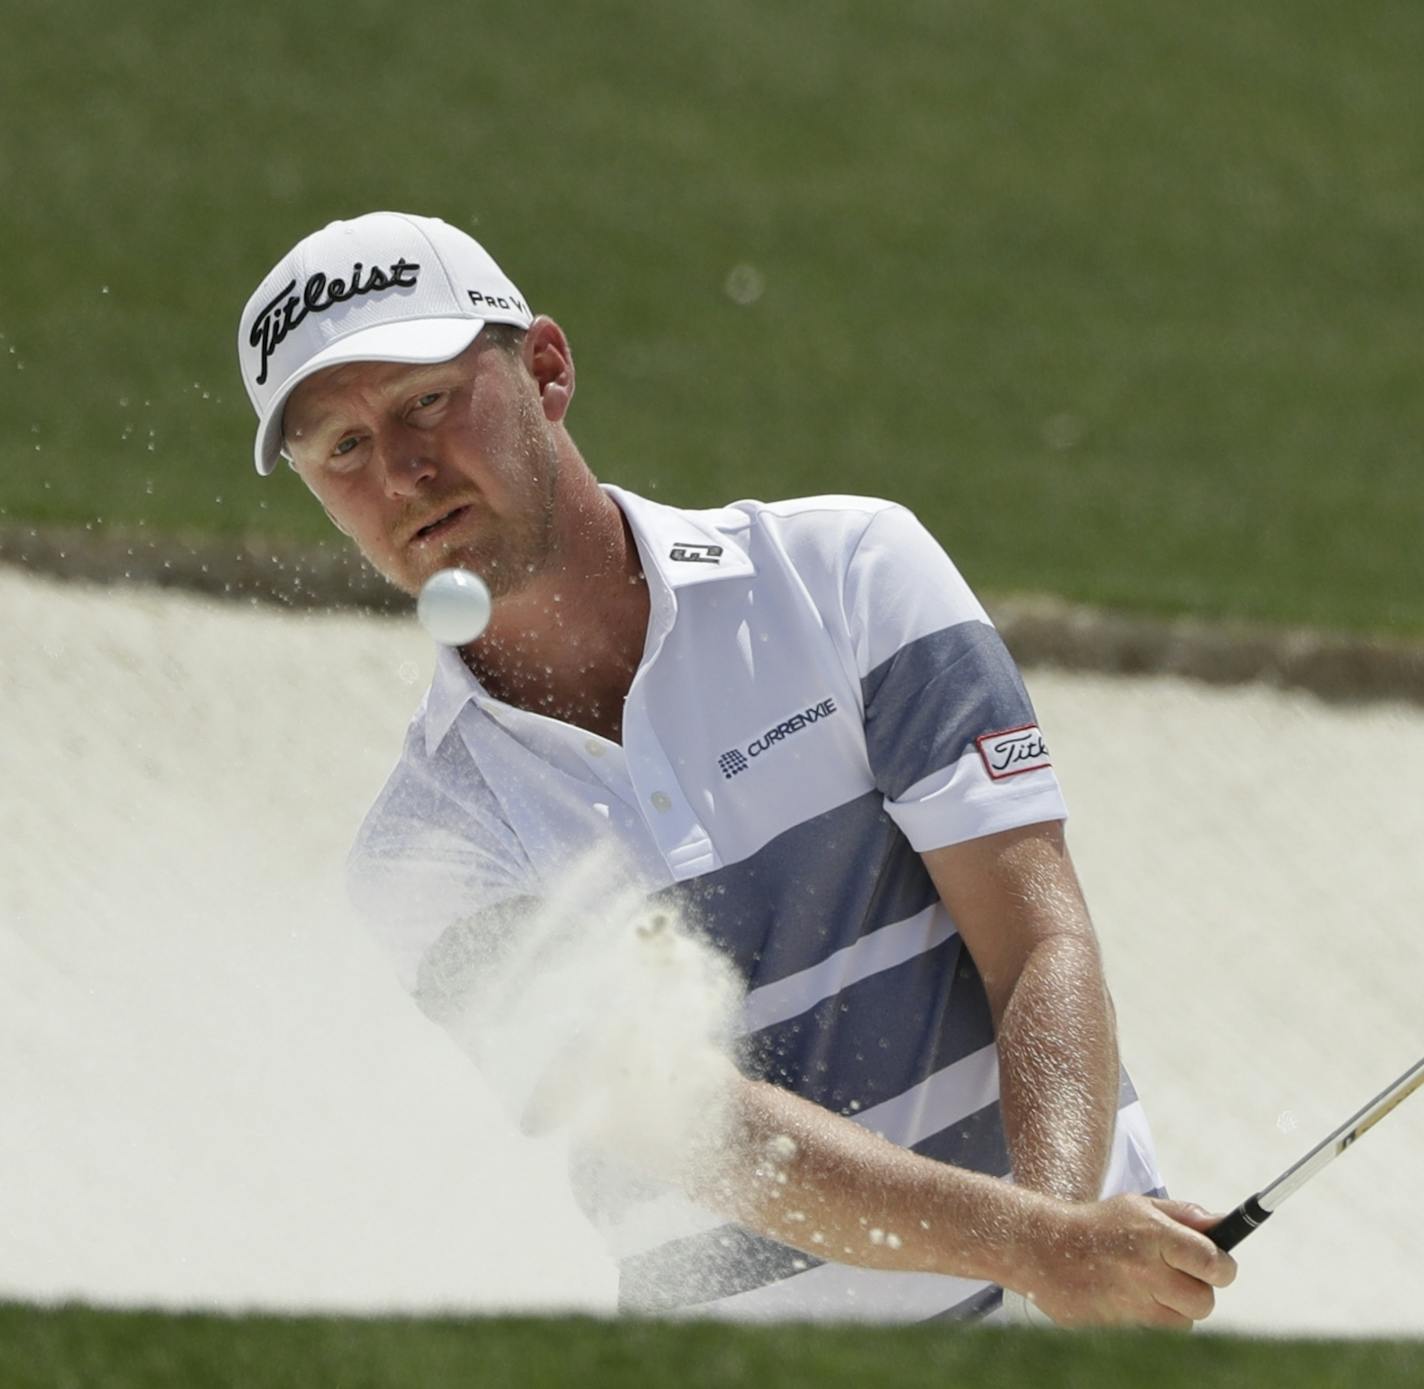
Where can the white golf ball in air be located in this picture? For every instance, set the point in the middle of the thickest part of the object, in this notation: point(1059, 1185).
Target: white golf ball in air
point(454, 606)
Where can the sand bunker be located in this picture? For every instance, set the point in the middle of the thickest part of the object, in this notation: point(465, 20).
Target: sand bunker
point(214, 1091)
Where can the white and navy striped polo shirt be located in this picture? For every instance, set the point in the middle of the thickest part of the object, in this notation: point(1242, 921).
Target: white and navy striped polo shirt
point(821, 699)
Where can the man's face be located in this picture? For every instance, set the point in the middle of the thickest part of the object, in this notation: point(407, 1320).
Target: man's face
point(430, 466)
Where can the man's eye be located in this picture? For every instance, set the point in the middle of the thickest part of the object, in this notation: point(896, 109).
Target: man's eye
point(346, 446)
point(425, 401)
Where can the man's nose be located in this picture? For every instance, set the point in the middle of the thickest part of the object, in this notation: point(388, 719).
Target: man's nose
point(406, 463)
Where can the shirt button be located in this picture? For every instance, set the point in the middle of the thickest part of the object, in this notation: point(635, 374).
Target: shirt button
point(661, 801)
point(593, 748)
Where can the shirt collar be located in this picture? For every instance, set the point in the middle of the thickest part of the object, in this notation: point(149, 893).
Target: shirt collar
point(682, 547)
point(678, 549)
point(451, 687)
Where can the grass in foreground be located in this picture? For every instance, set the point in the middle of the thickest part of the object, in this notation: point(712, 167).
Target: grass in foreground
point(119, 1350)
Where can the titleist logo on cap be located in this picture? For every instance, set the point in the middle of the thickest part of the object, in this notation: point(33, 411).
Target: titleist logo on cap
point(287, 309)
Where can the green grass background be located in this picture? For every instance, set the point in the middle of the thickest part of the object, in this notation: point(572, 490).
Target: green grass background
point(1127, 301)
point(144, 1350)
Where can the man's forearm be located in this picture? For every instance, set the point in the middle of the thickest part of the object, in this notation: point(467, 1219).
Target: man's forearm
point(822, 1183)
point(1058, 1070)
point(819, 1182)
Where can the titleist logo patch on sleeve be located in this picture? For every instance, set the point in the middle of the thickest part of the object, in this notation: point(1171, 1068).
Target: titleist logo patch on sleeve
point(1013, 751)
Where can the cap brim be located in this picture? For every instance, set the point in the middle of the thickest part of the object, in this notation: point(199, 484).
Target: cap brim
point(419, 340)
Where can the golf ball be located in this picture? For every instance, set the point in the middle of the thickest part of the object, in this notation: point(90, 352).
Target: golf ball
point(454, 606)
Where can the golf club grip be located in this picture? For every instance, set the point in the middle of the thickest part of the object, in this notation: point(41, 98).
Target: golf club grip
point(1246, 1217)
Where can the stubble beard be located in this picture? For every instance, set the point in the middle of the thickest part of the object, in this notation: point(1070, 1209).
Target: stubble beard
point(513, 551)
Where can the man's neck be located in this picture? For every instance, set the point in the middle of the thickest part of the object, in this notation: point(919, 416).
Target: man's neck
point(570, 642)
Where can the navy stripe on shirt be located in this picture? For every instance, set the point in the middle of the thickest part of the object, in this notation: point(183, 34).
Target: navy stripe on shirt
point(926, 704)
point(881, 1035)
point(810, 891)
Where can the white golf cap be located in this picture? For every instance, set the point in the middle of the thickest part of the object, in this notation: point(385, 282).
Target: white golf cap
point(386, 287)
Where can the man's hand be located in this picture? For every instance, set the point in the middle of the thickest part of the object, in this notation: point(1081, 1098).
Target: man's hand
point(793, 1171)
point(1131, 1260)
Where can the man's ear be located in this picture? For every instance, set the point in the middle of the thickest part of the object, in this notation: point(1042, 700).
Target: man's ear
point(548, 358)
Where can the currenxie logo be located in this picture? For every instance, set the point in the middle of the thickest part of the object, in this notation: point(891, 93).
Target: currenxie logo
point(737, 760)
point(1013, 751)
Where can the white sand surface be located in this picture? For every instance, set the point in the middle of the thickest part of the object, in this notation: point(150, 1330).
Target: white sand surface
point(212, 1091)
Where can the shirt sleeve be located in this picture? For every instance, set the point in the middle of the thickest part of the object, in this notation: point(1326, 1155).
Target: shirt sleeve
point(420, 865)
point(951, 735)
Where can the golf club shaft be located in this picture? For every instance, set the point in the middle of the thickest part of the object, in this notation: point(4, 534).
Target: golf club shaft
point(1253, 1212)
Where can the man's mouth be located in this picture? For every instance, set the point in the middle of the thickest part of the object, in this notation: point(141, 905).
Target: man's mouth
point(447, 520)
